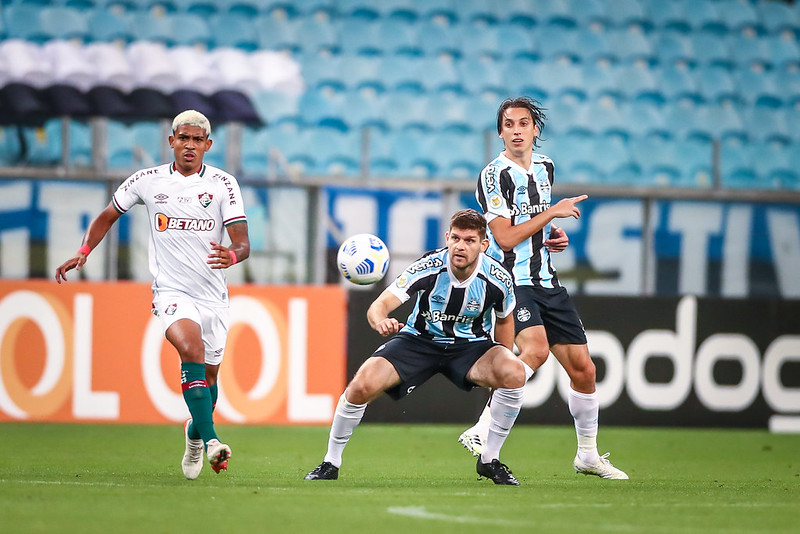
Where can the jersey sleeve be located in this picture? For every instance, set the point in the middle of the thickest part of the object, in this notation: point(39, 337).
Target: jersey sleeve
point(506, 307)
point(489, 195)
point(232, 205)
point(128, 194)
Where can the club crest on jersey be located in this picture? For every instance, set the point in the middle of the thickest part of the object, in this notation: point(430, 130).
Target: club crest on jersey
point(473, 305)
point(171, 309)
point(205, 199)
point(523, 315)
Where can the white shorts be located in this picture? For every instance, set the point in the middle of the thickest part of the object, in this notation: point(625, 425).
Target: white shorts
point(213, 321)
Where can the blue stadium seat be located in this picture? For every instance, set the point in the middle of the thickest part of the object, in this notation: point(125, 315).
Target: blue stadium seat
point(323, 108)
point(80, 144)
point(248, 8)
point(320, 9)
point(766, 124)
point(782, 51)
point(359, 36)
point(636, 81)
point(10, 146)
point(410, 151)
point(362, 71)
point(676, 81)
point(603, 118)
point(555, 42)
point(777, 17)
point(480, 74)
point(668, 16)
point(657, 159)
point(591, 13)
point(202, 8)
point(566, 80)
point(631, 44)
point(748, 51)
point(276, 108)
point(256, 145)
point(557, 13)
point(600, 80)
point(726, 122)
point(685, 118)
point(524, 76)
point(105, 25)
point(738, 168)
point(321, 71)
point(365, 109)
point(403, 11)
point(483, 112)
point(759, 88)
point(710, 49)
point(716, 84)
point(703, 16)
point(233, 30)
point(477, 11)
point(191, 30)
point(776, 164)
point(788, 81)
point(458, 155)
point(581, 163)
point(626, 13)
point(403, 73)
point(673, 47)
point(42, 144)
point(521, 12)
point(593, 45)
point(738, 16)
point(480, 41)
point(336, 153)
point(399, 37)
point(514, 41)
point(439, 39)
point(364, 9)
point(279, 35)
point(22, 21)
point(149, 141)
point(406, 111)
point(382, 160)
point(121, 144)
point(449, 113)
point(696, 157)
point(152, 28)
point(644, 118)
point(317, 36)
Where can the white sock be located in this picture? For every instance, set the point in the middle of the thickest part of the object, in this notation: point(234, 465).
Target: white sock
point(504, 409)
point(486, 414)
point(528, 371)
point(585, 408)
point(345, 420)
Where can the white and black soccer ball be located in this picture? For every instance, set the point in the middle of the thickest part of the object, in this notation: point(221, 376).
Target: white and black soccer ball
point(363, 259)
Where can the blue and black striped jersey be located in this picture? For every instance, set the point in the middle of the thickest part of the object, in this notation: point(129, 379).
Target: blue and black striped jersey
point(450, 311)
point(507, 190)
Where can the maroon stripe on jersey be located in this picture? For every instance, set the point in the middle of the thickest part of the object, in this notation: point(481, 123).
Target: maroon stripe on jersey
point(194, 384)
point(235, 220)
point(116, 204)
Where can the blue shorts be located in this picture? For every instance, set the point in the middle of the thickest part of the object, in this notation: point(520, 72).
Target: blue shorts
point(552, 308)
point(417, 359)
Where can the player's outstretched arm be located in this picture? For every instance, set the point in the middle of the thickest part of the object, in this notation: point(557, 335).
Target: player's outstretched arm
point(97, 230)
point(223, 257)
point(510, 235)
point(378, 314)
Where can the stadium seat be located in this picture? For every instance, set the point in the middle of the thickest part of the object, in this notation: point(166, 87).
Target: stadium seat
point(10, 146)
point(748, 51)
point(361, 72)
point(69, 64)
point(403, 73)
point(524, 76)
point(336, 153)
point(458, 155)
point(591, 13)
point(716, 84)
point(112, 64)
point(448, 10)
point(758, 87)
point(411, 151)
point(725, 122)
point(630, 44)
point(776, 164)
point(321, 71)
point(406, 111)
point(636, 81)
point(482, 112)
point(192, 67)
point(480, 41)
point(317, 36)
point(233, 30)
point(66, 101)
point(673, 47)
point(449, 112)
point(739, 16)
point(439, 74)
point(402, 11)
point(566, 80)
point(157, 29)
point(644, 118)
point(105, 25)
point(276, 108)
point(477, 11)
point(439, 39)
point(22, 21)
point(150, 143)
point(235, 68)
point(777, 17)
point(657, 159)
point(234, 106)
point(364, 108)
point(581, 163)
point(593, 46)
point(256, 145)
point(23, 104)
point(399, 37)
point(766, 124)
point(217, 156)
point(277, 35)
point(703, 16)
point(359, 9)
point(695, 157)
point(668, 16)
point(782, 51)
point(600, 80)
point(42, 144)
point(323, 108)
point(521, 12)
point(359, 36)
point(479, 74)
point(676, 81)
point(382, 162)
point(556, 13)
point(738, 169)
point(556, 43)
point(710, 49)
point(61, 22)
point(685, 119)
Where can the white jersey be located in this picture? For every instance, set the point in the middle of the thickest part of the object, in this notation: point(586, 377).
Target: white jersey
point(186, 213)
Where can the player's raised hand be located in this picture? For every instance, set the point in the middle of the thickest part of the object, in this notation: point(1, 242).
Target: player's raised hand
point(566, 207)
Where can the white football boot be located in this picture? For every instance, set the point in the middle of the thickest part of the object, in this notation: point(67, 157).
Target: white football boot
point(192, 462)
point(602, 468)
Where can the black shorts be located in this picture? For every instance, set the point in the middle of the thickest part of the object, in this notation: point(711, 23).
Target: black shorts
point(552, 308)
point(417, 359)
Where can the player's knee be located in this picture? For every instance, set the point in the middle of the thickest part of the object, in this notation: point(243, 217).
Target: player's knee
point(358, 392)
point(584, 374)
point(513, 375)
point(534, 354)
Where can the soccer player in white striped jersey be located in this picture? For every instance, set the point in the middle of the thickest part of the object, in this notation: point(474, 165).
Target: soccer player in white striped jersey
point(191, 207)
point(514, 192)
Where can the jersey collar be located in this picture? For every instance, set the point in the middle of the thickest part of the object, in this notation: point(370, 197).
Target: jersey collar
point(174, 168)
point(506, 160)
point(455, 281)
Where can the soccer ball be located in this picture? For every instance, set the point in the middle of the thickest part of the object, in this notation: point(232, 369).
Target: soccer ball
point(363, 259)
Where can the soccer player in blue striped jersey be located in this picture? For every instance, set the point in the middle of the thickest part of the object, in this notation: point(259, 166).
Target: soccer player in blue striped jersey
point(514, 192)
point(459, 289)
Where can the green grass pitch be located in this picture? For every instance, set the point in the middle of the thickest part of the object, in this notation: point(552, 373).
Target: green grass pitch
point(395, 478)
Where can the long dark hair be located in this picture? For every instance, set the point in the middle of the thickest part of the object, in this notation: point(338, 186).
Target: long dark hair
point(531, 104)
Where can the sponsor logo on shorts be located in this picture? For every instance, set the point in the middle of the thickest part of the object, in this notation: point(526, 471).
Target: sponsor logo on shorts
point(523, 315)
point(410, 389)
